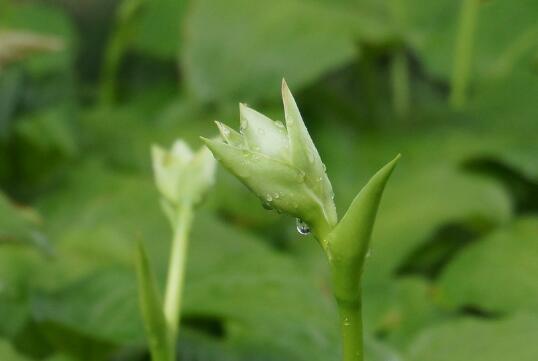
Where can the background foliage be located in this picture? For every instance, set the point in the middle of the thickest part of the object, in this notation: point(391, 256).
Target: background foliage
point(452, 273)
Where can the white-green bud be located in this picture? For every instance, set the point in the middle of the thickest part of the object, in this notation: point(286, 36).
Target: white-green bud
point(182, 176)
point(279, 163)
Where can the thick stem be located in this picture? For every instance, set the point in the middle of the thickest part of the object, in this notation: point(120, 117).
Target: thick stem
point(176, 269)
point(351, 329)
point(463, 52)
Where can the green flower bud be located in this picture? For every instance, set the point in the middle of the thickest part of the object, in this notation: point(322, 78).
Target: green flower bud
point(182, 176)
point(280, 164)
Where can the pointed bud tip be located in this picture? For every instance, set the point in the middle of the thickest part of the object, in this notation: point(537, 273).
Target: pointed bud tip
point(285, 88)
point(219, 125)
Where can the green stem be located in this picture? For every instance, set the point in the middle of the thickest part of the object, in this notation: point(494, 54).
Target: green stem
point(368, 83)
point(117, 45)
point(176, 269)
point(351, 329)
point(463, 52)
point(400, 82)
point(113, 57)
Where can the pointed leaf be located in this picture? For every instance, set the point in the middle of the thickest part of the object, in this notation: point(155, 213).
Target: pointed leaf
point(229, 135)
point(155, 325)
point(348, 243)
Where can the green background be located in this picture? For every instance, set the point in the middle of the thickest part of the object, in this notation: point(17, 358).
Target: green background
point(453, 270)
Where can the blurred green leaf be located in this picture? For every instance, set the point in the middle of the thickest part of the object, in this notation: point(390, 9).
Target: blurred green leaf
point(478, 340)
point(231, 52)
point(102, 306)
point(44, 20)
point(8, 353)
point(10, 87)
point(151, 307)
point(20, 225)
point(505, 35)
point(157, 29)
point(399, 309)
point(496, 274)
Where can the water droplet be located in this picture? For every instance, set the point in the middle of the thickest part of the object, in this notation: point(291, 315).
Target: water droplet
point(243, 126)
point(267, 206)
point(347, 322)
point(302, 227)
point(324, 167)
point(276, 195)
point(268, 197)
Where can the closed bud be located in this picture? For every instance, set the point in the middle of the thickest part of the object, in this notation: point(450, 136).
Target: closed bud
point(279, 163)
point(182, 176)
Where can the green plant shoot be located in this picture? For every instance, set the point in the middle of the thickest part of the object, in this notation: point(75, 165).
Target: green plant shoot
point(182, 178)
point(280, 164)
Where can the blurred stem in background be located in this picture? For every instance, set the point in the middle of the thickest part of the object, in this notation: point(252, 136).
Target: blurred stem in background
point(399, 65)
point(463, 52)
point(367, 75)
point(118, 43)
point(176, 270)
point(400, 82)
point(162, 321)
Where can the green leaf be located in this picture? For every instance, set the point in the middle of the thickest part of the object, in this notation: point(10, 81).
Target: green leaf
point(478, 340)
point(45, 20)
point(497, 273)
point(160, 344)
point(496, 51)
point(20, 225)
point(162, 20)
point(222, 36)
point(95, 307)
point(8, 353)
point(399, 309)
point(348, 242)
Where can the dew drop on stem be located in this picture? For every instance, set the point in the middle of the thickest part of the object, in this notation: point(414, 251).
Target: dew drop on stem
point(302, 227)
